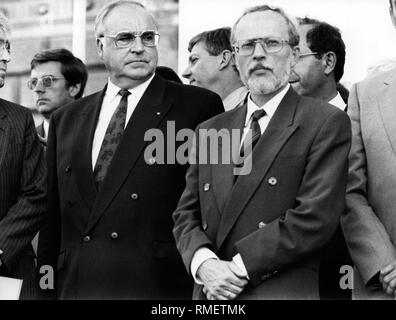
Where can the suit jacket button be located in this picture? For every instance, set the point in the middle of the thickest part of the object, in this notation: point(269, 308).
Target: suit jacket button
point(87, 239)
point(134, 196)
point(67, 169)
point(261, 225)
point(272, 181)
point(114, 235)
point(206, 187)
point(204, 226)
point(151, 161)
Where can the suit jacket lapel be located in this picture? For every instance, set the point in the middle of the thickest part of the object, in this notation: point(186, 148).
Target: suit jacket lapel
point(387, 105)
point(84, 131)
point(149, 112)
point(279, 129)
point(4, 131)
point(223, 178)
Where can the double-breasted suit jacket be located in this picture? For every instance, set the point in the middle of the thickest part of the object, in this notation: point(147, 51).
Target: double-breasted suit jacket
point(117, 243)
point(369, 223)
point(22, 194)
point(280, 215)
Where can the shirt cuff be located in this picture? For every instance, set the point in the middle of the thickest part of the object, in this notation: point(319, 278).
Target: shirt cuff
point(237, 259)
point(200, 256)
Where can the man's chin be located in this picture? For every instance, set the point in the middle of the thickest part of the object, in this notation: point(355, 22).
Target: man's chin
point(2, 82)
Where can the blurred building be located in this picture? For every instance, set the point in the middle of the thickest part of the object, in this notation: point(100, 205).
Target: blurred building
point(47, 24)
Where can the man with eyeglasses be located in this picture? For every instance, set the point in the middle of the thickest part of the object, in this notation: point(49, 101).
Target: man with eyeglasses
point(369, 223)
point(321, 63)
point(57, 78)
point(22, 184)
point(110, 215)
point(260, 235)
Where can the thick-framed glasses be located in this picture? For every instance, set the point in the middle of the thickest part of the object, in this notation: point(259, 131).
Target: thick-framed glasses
point(5, 45)
point(310, 54)
point(125, 39)
point(46, 81)
point(270, 45)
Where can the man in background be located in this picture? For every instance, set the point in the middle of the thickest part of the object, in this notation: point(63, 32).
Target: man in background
point(211, 66)
point(317, 75)
point(22, 184)
point(369, 222)
point(321, 64)
point(57, 78)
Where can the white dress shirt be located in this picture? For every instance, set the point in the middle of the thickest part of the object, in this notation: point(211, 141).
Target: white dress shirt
point(338, 102)
point(109, 105)
point(203, 254)
point(235, 98)
point(46, 128)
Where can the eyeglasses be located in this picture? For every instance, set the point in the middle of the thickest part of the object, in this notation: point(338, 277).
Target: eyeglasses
point(270, 45)
point(4, 45)
point(124, 39)
point(46, 81)
point(310, 54)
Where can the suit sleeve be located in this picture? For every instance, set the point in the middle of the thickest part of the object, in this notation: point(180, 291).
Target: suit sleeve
point(367, 239)
point(187, 217)
point(49, 238)
point(320, 200)
point(23, 219)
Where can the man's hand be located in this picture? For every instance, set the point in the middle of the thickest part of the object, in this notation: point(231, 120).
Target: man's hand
point(388, 278)
point(222, 280)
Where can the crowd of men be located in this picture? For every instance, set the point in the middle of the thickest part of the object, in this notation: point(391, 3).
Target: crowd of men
point(306, 188)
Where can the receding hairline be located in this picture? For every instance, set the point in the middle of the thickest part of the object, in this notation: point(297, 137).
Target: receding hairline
point(108, 8)
point(290, 22)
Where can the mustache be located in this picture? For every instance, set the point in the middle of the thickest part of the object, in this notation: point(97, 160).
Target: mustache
point(259, 67)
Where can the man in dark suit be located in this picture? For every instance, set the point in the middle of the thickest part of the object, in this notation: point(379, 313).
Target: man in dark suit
point(57, 78)
point(22, 184)
point(260, 235)
point(110, 215)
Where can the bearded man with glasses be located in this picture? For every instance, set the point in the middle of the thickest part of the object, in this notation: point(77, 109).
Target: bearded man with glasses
point(260, 235)
point(22, 185)
point(109, 232)
point(57, 78)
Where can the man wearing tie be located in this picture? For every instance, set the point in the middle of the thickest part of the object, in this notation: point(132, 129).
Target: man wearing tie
point(110, 219)
point(260, 235)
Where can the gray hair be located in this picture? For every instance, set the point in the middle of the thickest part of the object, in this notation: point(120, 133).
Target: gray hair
point(105, 10)
point(294, 37)
point(4, 26)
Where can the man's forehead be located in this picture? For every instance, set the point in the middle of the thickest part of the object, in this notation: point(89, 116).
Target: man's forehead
point(261, 24)
point(47, 68)
point(131, 18)
point(199, 48)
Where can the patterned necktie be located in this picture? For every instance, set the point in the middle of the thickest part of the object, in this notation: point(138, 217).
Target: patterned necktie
point(111, 139)
point(255, 129)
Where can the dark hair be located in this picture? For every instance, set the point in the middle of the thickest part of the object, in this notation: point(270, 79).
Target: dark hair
point(72, 68)
point(216, 41)
point(168, 74)
point(323, 38)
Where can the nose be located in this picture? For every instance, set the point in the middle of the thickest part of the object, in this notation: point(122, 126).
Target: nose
point(137, 46)
point(39, 87)
point(5, 56)
point(187, 73)
point(259, 51)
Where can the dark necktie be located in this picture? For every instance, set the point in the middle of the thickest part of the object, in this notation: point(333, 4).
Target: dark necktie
point(250, 140)
point(111, 139)
point(255, 129)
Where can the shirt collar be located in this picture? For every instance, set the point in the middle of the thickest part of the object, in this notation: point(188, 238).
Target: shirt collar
point(235, 98)
point(137, 92)
point(338, 102)
point(270, 107)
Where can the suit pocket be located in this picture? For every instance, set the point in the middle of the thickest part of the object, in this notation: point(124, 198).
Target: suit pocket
point(61, 260)
point(165, 250)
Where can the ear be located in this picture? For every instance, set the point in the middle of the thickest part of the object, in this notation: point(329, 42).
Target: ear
point(74, 90)
point(99, 47)
point(295, 55)
point(329, 61)
point(226, 59)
